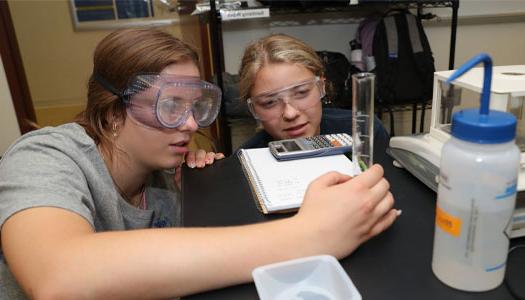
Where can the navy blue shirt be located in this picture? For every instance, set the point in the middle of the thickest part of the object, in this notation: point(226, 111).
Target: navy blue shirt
point(334, 120)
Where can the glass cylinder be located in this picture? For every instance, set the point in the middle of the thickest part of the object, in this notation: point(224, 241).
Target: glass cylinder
point(363, 119)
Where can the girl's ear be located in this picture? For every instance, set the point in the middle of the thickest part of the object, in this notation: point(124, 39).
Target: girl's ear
point(117, 123)
point(115, 129)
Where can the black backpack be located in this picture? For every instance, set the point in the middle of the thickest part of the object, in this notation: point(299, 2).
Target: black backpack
point(404, 62)
point(338, 72)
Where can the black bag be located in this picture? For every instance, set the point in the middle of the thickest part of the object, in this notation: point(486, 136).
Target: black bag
point(231, 99)
point(404, 61)
point(338, 72)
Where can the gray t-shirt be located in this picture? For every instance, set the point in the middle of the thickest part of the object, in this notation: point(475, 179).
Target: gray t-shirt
point(62, 167)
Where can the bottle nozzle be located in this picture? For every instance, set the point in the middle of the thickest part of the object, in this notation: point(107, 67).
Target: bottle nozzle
point(487, 78)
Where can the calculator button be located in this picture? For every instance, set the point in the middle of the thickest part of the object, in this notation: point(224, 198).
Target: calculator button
point(345, 140)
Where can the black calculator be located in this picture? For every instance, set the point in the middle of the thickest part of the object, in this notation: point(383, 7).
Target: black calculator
point(305, 147)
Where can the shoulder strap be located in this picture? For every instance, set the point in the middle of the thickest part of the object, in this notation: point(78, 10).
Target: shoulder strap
point(415, 43)
point(391, 36)
point(413, 32)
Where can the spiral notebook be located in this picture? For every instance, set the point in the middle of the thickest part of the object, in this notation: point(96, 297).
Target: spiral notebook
point(279, 186)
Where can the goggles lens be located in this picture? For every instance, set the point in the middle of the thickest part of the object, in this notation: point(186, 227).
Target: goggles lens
point(168, 100)
point(302, 96)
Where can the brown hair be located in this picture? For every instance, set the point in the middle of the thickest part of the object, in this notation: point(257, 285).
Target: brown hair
point(275, 48)
point(118, 57)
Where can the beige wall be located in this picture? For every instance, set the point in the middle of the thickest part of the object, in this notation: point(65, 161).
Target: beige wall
point(9, 129)
point(57, 59)
point(503, 41)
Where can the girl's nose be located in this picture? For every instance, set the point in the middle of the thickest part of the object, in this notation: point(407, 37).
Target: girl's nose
point(189, 124)
point(289, 111)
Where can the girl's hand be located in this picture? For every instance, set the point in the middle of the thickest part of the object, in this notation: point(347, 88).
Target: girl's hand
point(201, 158)
point(344, 212)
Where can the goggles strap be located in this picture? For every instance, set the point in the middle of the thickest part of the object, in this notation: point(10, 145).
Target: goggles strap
point(105, 84)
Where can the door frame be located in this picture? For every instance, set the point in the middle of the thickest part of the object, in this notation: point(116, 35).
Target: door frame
point(14, 69)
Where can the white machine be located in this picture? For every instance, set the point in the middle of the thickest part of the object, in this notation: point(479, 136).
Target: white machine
point(420, 154)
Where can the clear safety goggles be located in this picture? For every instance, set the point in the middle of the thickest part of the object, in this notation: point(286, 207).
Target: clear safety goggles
point(301, 96)
point(166, 101)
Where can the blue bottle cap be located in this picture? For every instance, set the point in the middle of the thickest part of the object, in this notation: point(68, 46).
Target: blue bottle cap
point(482, 126)
point(493, 128)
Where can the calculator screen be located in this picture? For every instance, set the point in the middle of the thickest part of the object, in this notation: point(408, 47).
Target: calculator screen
point(291, 146)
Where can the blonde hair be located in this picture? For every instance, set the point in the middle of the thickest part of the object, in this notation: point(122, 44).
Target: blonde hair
point(275, 48)
point(118, 57)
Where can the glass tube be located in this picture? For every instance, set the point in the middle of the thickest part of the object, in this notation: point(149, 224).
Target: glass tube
point(363, 120)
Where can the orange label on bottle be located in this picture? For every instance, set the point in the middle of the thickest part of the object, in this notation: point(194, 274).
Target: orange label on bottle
point(447, 222)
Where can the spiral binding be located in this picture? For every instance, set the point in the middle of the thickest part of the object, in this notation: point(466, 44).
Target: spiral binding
point(254, 182)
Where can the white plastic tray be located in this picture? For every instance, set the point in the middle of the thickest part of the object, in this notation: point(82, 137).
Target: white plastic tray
point(309, 278)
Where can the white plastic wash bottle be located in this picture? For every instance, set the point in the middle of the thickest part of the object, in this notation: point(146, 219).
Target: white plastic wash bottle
point(476, 194)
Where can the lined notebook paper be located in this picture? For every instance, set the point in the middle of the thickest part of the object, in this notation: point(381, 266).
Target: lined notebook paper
point(279, 186)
